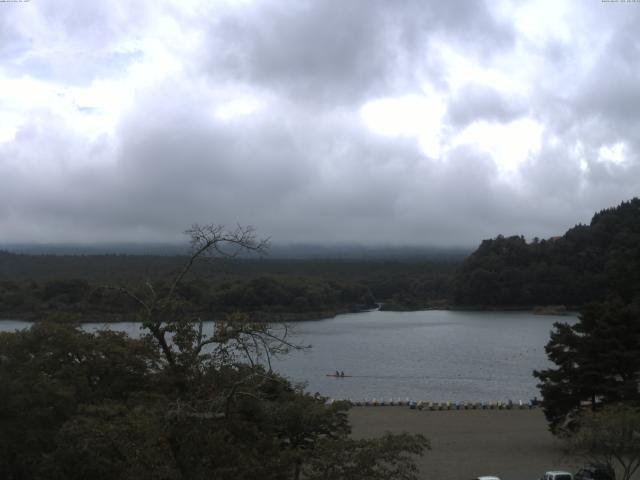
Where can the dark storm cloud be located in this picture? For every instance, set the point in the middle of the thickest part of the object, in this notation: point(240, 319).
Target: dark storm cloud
point(320, 49)
point(251, 113)
point(333, 51)
point(182, 168)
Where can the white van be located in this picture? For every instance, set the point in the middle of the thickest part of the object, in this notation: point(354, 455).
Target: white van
point(557, 475)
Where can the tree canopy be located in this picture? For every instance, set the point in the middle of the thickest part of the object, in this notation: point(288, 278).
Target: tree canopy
point(584, 265)
point(597, 362)
point(178, 403)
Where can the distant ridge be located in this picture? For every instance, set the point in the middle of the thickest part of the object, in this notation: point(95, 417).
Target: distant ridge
point(277, 251)
point(167, 249)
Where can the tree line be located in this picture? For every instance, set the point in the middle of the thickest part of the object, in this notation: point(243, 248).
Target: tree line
point(31, 286)
point(584, 265)
point(266, 296)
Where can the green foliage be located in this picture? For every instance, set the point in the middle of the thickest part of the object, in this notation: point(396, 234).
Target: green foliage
point(372, 459)
point(582, 266)
point(597, 361)
point(180, 403)
point(47, 373)
point(33, 285)
point(112, 440)
point(265, 294)
point(79, 405)
point(610, 436)
point(273, 295)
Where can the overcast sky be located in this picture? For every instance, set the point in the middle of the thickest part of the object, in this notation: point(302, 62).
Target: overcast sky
point(324, 121)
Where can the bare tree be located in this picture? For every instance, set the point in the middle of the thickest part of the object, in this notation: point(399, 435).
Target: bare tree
point(181, 340)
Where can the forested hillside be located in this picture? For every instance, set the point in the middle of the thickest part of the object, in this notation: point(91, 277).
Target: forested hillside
point(32, 286)
point(583, 265)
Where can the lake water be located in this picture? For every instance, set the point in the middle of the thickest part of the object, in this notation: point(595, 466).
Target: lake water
point(427, 355)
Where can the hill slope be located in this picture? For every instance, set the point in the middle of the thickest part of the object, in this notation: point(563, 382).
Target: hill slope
point(586, 264)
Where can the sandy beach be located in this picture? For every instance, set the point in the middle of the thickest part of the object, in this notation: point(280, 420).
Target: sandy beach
point(512, 444)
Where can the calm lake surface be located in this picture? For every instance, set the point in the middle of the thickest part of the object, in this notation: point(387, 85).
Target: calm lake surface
point(427, 355)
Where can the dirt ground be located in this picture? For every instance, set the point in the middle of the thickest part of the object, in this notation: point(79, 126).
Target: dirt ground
point(512, 444)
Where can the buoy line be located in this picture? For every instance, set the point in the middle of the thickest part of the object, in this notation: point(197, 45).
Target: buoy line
point(410, 377)
point(437, 406)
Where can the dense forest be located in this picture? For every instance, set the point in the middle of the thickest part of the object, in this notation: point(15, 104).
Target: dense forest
point(86, 286)
point(584, 265)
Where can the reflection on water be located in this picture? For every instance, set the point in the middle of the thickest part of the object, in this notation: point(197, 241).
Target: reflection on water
point(427, 355)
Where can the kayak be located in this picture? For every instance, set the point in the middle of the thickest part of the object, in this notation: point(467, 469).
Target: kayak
point(338, 376)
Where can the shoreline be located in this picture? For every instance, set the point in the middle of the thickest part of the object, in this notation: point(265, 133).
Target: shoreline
point(286, 317)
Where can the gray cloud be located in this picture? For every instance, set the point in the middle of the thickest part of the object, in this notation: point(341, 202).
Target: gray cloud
point(333, 51)
point(301, 165)
point(316, 51)
point(480, 102)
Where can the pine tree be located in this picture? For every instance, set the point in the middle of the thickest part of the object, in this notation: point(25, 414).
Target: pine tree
point(597, 362)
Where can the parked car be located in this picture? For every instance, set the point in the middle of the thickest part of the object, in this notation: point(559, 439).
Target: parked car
point(556, 475)
point(595, 471)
